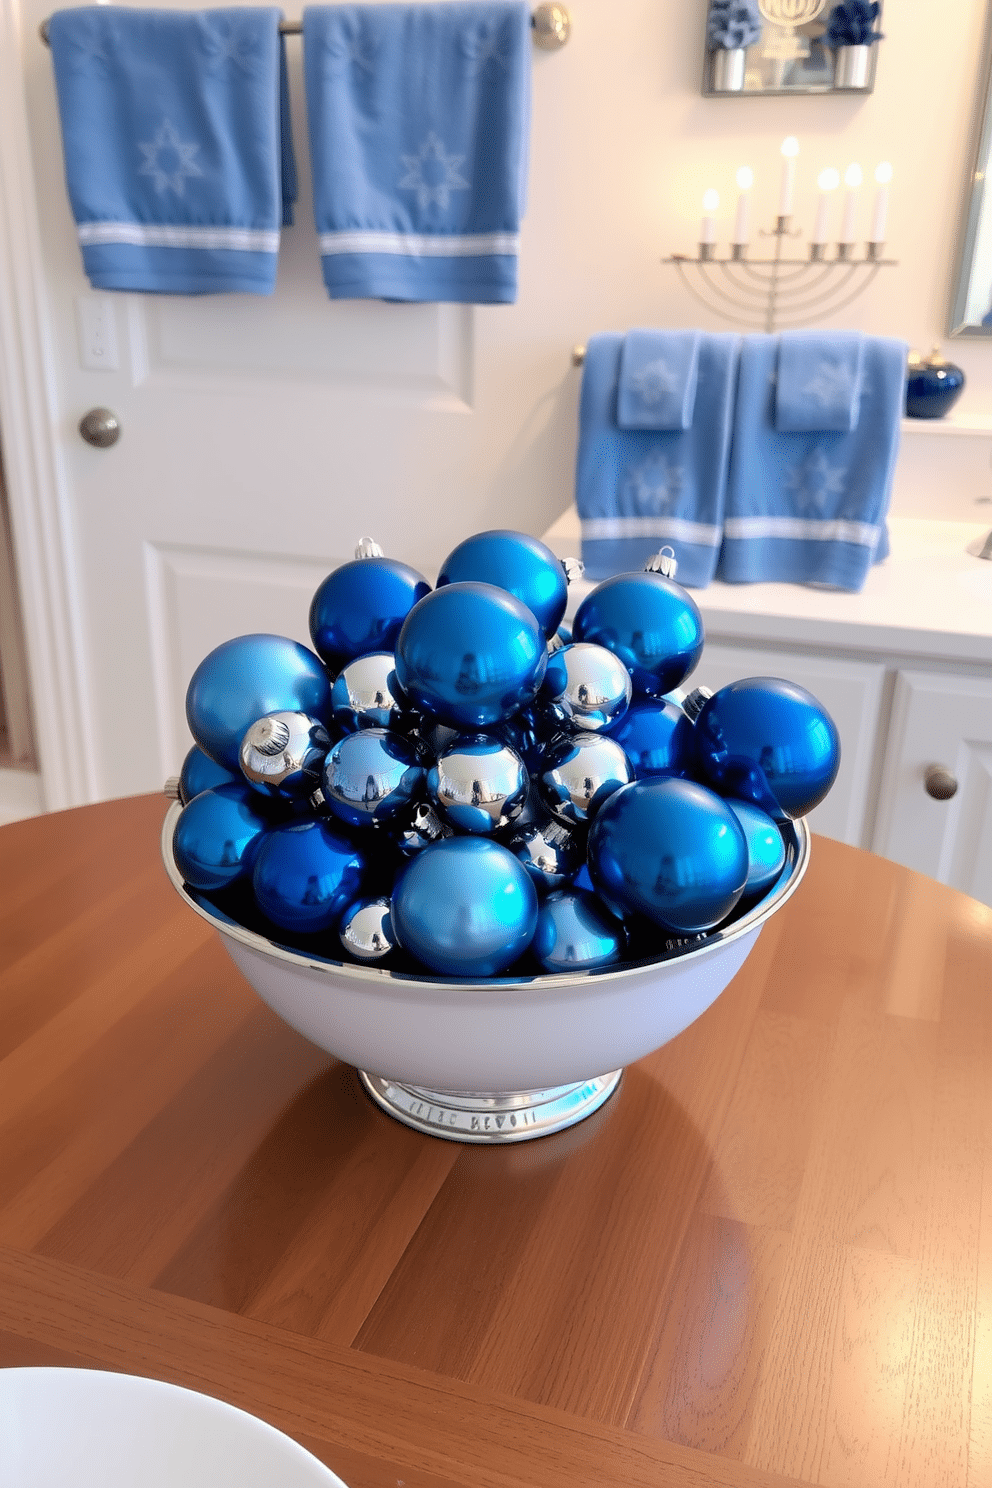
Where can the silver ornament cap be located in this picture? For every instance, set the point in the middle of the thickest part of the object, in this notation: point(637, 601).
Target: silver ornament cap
point(664, 563)
point(367, 547)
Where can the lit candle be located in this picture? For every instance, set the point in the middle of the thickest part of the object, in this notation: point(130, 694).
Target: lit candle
point(711, 201)
point(745, 180)
point(852, 180)
point(883, 175)
point(790, 149)
point(828, 180)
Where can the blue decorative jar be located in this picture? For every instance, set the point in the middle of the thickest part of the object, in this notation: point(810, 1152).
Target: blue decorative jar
point(933, 385)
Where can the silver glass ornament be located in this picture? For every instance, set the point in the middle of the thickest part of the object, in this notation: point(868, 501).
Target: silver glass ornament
point(425, 827)
point(551, 852)
point(283, 754)
point(588, 684)
point(579, 773)
point(366, 930)
point(371, 778)
point(479, 784)
point(575, 932)
point(366, 694)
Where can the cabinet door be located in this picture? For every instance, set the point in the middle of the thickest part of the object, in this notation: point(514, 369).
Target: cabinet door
point(851, 692)
point(943, 720)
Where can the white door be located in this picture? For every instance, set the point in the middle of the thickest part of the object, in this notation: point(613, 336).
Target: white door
point(260, 439)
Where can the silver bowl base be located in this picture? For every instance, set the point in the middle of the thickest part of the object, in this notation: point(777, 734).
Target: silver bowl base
point(464, 1116)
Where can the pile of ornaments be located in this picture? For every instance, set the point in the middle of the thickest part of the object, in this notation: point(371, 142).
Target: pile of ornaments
point(452, 782)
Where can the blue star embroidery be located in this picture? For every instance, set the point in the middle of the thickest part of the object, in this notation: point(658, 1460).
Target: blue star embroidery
point(168, 160)
point(433, 174)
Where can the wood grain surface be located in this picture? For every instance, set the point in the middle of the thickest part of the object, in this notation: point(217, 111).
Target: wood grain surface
point(768, 1258)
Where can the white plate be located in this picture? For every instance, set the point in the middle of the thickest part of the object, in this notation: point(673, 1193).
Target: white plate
point(83, 1428)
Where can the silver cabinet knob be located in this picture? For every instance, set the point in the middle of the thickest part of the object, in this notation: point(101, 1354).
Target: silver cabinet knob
point(100, 428)
point(552, 24)
point(939, 782)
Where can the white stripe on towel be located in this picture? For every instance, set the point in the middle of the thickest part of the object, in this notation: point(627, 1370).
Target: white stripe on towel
point(245, 239)
point(421, 245)
point(600, 529)
point(864, 534)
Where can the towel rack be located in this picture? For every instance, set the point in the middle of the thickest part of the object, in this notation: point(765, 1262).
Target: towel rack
point(552, 26)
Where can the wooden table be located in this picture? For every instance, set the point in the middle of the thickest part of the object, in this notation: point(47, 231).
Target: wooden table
point(768, 1258)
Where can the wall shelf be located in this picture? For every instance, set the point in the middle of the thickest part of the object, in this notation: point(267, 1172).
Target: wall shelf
point(963, 425)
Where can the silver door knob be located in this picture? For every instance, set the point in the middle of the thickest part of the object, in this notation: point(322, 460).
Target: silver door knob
point(939, 782)
point(100, 427)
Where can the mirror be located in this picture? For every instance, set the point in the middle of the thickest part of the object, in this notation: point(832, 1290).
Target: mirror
point(971, 307)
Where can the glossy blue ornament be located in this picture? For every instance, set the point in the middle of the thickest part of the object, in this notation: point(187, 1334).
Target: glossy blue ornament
point(656, 737)
point(372, 777)
point(361, 606)
point(671, 850)
point(217, 835)
point(588, 685)
point(765, 847)
point(305, 876)
point(366, 694)
point(199, 773)
point(650, 622)
point(464, 907)
point(579, 772)
point(770, 742)
point(478, 784)
point(575, 932)
point(470, 655)
point(243, 679)
point(517, 563)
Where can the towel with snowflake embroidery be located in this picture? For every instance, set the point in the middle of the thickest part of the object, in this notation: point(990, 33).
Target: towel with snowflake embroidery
point(178, 156)
point(419, 121)
point(810, 507)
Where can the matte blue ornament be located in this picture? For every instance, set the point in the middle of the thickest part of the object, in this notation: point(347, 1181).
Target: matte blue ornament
point(578, 774)
point(765, 848)
point(517, 563)
point(243, 679)
point(217, 834)
point(478, 784)
point(770, 742)
point(650, 622)
point(575, 932)
point(372, 777)
point(305, 876)
point(464, 907)
point(470, 655)
point(656, 737)
point(366, 694)
point(199, 773)
point(361, 606)
point(551, 852)
point(588, 684)
point(671, 850)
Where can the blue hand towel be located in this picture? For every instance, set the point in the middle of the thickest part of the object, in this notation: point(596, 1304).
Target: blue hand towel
point(419, 120)
point(810, 508)
point(819, 381)
point(178, 155)
point(658, 373)
point(638, 490)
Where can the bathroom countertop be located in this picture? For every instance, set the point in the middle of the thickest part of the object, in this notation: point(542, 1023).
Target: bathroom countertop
point(930, 598)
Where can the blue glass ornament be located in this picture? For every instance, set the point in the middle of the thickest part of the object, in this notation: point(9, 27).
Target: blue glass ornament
point(464, 907)
point(217, 835)
point(366, 694)
point(650, 622)
point(361, 606)
point(765, 848)
point(372, 777)
point(283, 754)
point(470, 655)
point(243, 679)
point(366, 930)
point(579, 773)
point(575, 932)
point(671, 850)
point(770, 742)
point(199, 773)
point(588, 684)
point(656, 737)
point(305, 876)
point(478, 784)
point(551, 852)
point(517, 563)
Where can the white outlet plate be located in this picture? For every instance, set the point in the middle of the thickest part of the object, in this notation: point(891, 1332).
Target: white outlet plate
point(97, 325)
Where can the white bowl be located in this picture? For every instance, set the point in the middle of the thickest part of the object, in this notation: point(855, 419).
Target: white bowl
point(501, 1058)
point(83, 1428)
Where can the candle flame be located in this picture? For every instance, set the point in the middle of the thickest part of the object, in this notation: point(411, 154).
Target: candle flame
point(745, 178)
point(883, 173)
point(790, 146)
point(711, 200)
point(829, 179)
point(853, 176)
